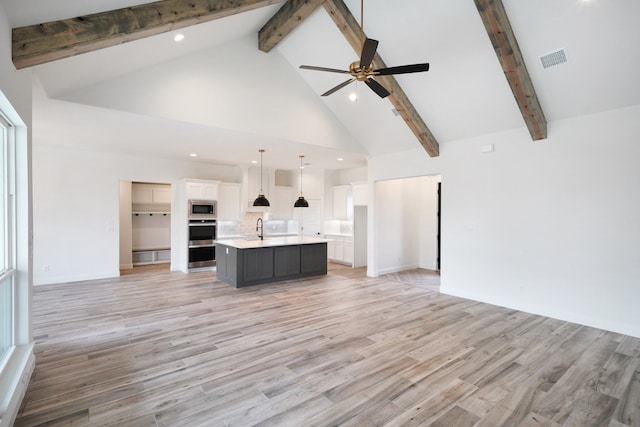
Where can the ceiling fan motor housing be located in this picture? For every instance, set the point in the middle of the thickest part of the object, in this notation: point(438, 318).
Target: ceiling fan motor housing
point(360, 73)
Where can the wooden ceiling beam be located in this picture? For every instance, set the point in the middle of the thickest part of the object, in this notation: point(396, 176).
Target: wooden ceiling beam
point(287, 19)
point(399, 99)
point(41, 43)
point(506, 47)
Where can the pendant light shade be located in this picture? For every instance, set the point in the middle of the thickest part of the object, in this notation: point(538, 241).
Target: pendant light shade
point(261, 200)
point(301, 202)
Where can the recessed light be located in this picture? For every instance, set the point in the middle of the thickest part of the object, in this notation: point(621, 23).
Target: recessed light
point(353, 96)
point(254, 161)
point(193, 155)
point(340, 159)
point(178, 37)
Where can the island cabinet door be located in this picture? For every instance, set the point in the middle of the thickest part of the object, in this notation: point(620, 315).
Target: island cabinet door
point(287, 261)
point(314, 259)
point(257, 264)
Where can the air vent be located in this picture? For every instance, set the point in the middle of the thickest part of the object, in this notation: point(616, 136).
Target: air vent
point(554, 58)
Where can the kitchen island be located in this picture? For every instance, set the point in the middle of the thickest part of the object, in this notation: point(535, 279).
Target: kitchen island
point(246, 262)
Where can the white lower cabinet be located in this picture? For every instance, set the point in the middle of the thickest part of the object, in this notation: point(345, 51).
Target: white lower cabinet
point(347, 254)
point(340, 249)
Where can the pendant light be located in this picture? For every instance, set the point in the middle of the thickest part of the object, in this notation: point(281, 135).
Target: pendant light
point(301, 202)
point(261, 200)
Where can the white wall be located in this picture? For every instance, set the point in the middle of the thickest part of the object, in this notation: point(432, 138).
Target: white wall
point(76, 207)
point(549, 227)
point(125, 226)
point(196, 89)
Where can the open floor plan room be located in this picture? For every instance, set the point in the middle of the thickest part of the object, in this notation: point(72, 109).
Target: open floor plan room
point(162, 348)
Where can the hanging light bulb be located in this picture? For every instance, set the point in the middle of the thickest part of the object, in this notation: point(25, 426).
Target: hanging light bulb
point(261, 200)
point(301, 202)
point(353, 96)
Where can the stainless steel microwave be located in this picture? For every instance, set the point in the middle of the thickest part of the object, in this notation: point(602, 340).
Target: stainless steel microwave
point(202, 209)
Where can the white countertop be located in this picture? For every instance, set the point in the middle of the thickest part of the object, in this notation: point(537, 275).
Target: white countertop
point(270, 241)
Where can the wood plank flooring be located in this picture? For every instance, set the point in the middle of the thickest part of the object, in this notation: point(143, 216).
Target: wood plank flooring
point(168, 349)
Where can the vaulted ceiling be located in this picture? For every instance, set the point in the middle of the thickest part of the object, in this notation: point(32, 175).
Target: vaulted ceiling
point(217, 94)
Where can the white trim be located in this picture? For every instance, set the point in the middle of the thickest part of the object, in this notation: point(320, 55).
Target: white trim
point(22, 362)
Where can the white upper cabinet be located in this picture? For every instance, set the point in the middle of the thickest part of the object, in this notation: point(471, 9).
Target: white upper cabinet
point(161, 195)
point(202, 189)
point(342, 202)
point(147, 197)
point(229, 201)
point(142, 193)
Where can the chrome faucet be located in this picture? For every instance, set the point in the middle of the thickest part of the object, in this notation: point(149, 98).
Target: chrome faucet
point(260, 228)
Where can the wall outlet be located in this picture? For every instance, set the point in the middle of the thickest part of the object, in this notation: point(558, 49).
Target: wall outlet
point(46, 267)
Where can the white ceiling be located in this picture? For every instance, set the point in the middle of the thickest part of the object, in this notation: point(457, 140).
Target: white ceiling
point(224, 99)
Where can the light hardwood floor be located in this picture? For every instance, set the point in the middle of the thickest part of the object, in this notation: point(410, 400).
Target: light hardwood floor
point(169, 349)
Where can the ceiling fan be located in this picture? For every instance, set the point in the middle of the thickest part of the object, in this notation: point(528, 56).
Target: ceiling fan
point(363, 70)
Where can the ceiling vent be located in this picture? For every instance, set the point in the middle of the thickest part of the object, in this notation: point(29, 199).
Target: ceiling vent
point(554, 58)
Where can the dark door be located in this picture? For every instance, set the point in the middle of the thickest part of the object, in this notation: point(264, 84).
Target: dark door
point(257, 264)
point(439, 216)
point(287, 261)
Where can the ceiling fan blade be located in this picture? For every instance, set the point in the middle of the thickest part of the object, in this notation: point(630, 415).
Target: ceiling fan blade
point(377, 88)
point(368, 52)
point(402, 69)
point(337, 88)
point(331, 70)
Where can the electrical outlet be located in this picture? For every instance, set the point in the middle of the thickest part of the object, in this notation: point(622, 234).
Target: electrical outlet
point(46, 267)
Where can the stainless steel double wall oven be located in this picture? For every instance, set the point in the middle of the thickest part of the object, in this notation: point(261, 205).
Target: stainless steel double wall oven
point(202, 233)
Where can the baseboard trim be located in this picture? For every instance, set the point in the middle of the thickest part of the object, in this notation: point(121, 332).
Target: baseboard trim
point(19, 370)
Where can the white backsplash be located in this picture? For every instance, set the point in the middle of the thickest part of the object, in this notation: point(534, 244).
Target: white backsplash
point(338, 227)
point(247, 227)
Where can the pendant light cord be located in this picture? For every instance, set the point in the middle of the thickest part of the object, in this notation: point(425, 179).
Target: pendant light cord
point(301, 175)
point(261, 189)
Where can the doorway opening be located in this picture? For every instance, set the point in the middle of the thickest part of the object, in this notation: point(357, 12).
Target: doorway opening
point(145, 226)
point(407, 225)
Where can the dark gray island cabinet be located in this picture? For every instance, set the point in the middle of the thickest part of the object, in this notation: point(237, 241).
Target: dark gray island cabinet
point(251, 262)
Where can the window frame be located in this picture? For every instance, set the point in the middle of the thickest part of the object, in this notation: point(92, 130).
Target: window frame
point(8, 267)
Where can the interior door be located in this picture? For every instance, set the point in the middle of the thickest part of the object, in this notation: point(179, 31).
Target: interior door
point(439, 221)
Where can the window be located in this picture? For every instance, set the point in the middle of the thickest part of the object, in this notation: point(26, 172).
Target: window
point(7, 335)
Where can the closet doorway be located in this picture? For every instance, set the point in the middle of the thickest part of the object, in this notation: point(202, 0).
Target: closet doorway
point(145, 226)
